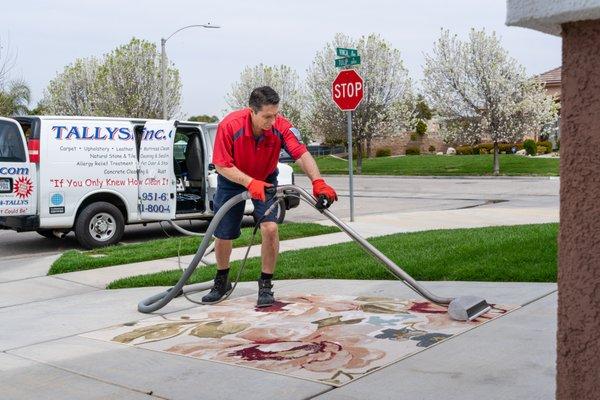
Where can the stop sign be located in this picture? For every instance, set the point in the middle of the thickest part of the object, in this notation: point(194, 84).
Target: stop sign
point(347, 90)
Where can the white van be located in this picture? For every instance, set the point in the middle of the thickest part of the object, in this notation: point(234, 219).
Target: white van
point(94, 175)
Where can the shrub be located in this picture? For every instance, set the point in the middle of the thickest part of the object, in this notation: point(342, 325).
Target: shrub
point(507, 147)
point(412, 151)
point(413, 137)
point(355, 154)
point(530, 147)
point(541, 150)
point(421, 127)
point(546, 145)
point(383, 152)
point(431, 148)
point(483, 148)
point(464, 150)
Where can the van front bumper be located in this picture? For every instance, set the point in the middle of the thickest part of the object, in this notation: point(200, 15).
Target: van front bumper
point(20, 223)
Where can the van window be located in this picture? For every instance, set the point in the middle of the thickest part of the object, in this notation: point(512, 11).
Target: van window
point(11, 143)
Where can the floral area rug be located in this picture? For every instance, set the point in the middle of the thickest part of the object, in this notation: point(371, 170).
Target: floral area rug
point(329, 339)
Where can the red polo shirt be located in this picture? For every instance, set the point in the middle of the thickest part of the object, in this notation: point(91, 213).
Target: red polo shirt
point(257, 157)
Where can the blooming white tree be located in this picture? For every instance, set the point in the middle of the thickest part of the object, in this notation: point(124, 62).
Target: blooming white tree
point(123, 83)
point(388, 97)
point(74, 91)
point(283, 79)
point(481, 93)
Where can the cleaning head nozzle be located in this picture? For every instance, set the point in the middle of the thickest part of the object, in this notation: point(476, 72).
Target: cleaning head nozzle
point(467, 308)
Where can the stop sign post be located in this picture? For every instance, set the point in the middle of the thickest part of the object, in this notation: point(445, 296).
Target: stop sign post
point(347, 93)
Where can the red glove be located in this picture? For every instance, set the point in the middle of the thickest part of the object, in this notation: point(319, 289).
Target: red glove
point(257, 189)
point(321, 188)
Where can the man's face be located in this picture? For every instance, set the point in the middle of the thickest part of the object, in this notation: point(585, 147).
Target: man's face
point(265, 117)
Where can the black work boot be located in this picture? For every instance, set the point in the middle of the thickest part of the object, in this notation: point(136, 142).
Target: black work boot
point(265, 295)
point(220, 289)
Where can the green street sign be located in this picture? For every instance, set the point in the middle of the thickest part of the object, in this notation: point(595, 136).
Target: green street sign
point(343, 52)
point(345, 62)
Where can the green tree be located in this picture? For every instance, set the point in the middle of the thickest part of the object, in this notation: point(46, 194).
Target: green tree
point(421, 113)
point(39, 109)
point(386, 106)
point(123, 83)
point(422, 110)
point(15, 95)
point(204, 118)
point(15, 98)
point(421, 127)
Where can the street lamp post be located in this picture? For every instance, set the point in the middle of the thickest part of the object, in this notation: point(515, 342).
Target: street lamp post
point(163, 62)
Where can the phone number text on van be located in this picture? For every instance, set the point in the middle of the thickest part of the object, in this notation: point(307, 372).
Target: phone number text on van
point(100, 183)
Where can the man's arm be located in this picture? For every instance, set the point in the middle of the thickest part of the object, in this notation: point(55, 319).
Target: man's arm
point(308, 164)
point(234, 175)
point(320, 188)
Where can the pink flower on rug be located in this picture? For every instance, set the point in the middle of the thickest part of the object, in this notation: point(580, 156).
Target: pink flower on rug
point(275, 334)
point(321, 356)
point(428, 308)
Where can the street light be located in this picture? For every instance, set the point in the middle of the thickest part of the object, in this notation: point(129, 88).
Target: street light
point(163, 62)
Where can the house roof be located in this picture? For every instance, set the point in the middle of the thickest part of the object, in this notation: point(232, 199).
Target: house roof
point(550, 77)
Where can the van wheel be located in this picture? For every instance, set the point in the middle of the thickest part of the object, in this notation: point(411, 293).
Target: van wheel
point(99, 224)
point(280, 213)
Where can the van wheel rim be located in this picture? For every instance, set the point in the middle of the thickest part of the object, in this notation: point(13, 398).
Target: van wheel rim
point(102, 227)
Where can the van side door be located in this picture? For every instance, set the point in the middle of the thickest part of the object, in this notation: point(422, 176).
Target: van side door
point(209, 134)
point(157, 182)
point(18, 175)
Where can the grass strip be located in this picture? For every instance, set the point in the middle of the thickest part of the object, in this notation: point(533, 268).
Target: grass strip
point(75, 260)
point(522, 253)
point(431, 165)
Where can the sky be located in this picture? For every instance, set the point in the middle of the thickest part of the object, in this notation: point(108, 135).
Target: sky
point(45, 36)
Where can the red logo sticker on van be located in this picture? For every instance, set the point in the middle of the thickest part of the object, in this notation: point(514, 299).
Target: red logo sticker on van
point(23, 187)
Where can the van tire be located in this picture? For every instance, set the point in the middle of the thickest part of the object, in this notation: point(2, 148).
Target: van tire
point(99, 224)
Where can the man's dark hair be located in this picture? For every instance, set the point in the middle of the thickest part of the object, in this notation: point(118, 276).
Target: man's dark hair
point(261, 96)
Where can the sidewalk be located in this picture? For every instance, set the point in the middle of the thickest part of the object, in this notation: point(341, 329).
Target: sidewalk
point(42, 355)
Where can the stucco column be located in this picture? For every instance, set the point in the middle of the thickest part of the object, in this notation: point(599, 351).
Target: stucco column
point(578, 358)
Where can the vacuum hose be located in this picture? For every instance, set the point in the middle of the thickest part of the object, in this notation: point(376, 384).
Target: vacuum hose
point(460, 308)
point(160, 300)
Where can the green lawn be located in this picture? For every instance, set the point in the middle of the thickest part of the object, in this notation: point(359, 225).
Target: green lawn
point(524, 253)
point(75, 260)
point(443, 165)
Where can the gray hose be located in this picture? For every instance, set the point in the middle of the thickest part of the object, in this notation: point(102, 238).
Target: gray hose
point(210, 248)
point(369, 248)
point(160, 300)
point(184, 231)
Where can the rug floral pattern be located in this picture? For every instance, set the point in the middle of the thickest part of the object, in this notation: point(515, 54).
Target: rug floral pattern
point(329, 339)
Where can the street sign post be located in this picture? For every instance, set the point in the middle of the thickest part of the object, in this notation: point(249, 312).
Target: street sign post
point(347, 93)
